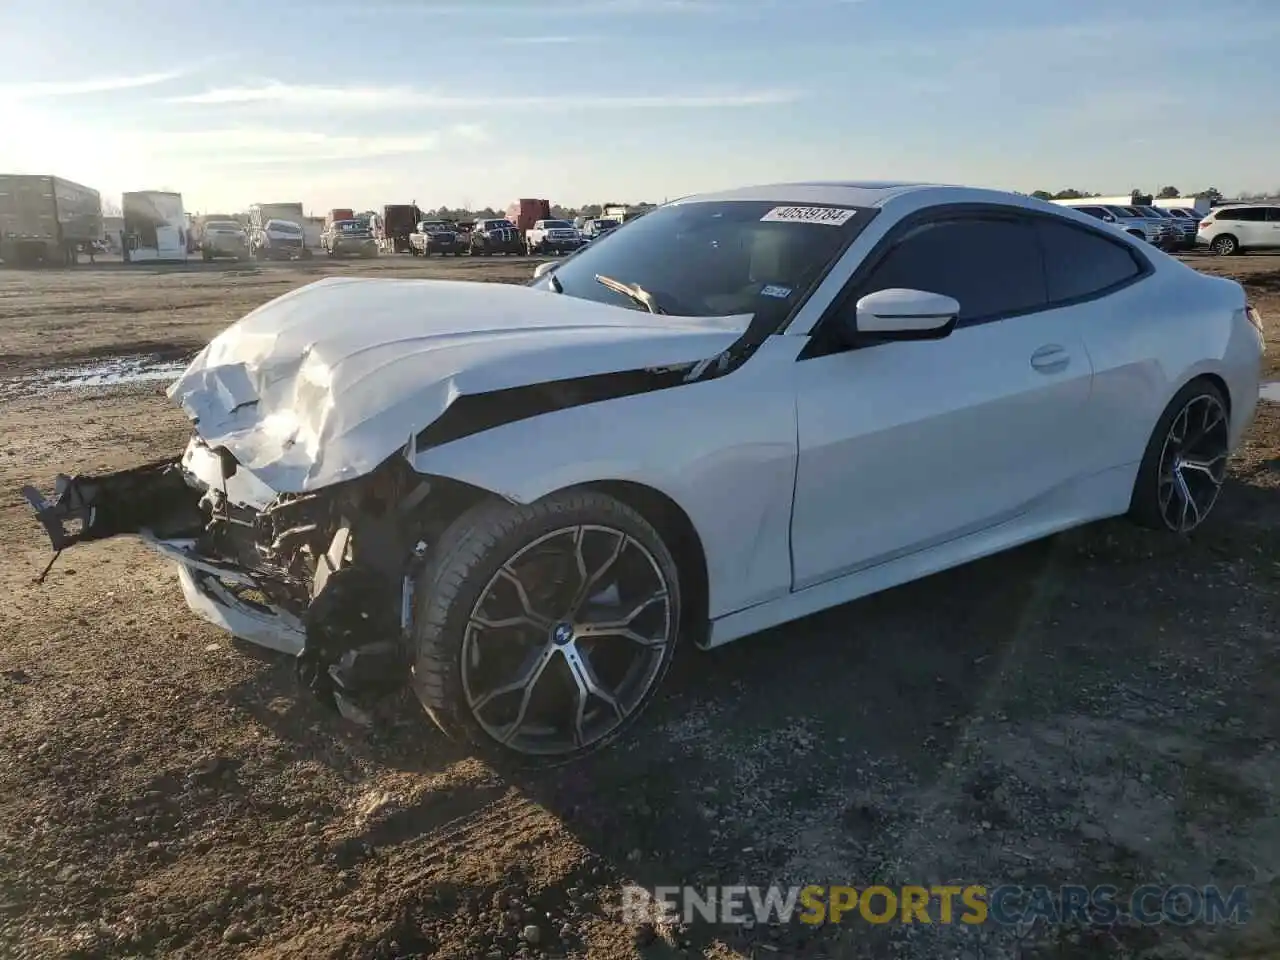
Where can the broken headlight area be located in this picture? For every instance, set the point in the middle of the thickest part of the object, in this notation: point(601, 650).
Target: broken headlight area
point(326, 576)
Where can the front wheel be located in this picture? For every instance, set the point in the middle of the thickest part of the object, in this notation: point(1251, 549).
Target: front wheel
point(1185, 462)
point(1225, 245)
point(542, 631)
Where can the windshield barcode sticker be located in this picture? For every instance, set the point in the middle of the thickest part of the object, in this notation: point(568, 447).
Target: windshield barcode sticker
point(830, 216)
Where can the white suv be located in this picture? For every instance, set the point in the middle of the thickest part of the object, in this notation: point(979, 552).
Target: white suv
point(1231, 229)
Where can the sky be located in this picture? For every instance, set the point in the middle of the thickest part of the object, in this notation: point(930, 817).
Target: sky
point(358, 103)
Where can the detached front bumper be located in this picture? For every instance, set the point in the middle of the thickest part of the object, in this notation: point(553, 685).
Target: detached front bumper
point(238, 566)
point(161, 504)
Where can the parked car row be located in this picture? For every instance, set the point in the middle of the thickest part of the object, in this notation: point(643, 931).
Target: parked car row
point(497, 236)
point(273, 239)
point(525, 230)
point(1226, 229)
point(1169, 229)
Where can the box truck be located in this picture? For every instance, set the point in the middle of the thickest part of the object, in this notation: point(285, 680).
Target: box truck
point(46, 220)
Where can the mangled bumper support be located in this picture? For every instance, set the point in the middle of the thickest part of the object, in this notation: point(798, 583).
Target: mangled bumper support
point(350, 641)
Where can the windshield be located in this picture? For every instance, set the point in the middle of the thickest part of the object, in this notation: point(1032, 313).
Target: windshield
point(435, 227)
point(222, 225)
point(557, 224)
point(349, 226)
point(714, 258)
point(606, 224)
point(282, 226)
point(498, 225)
point(1152, 212)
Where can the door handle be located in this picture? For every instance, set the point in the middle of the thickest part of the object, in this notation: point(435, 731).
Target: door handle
point(1051, 358)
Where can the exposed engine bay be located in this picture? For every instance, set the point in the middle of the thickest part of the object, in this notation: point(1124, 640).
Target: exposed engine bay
point(337, 565)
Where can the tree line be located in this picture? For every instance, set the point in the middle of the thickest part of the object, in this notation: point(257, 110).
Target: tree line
point(1164, 193)
point(557, 211)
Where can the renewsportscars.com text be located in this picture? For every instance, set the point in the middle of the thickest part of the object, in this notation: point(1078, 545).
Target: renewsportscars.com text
point(972, 904)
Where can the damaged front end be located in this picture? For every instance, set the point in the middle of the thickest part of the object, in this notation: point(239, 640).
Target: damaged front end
point(326, 576)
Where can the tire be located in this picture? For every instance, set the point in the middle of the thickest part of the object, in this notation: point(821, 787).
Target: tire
point(1166, 476)
point(477, 561)
point(1225, 245)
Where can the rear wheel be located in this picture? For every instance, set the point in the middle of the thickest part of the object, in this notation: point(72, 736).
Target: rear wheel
point(1185, 462)
point(543, 630)
point(1225, 245)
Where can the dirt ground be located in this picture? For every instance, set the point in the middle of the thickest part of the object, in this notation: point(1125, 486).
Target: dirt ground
point(1101, 707)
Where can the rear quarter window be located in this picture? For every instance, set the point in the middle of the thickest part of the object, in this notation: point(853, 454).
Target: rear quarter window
point(1247, 214)
point(1079, 263)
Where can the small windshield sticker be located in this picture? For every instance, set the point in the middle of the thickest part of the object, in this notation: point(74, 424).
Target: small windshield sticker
point(830, 216)
point(773, 290)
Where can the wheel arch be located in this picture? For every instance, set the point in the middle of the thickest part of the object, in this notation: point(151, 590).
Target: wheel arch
point(657, 507)
point(1217, 381)
point(676, 528)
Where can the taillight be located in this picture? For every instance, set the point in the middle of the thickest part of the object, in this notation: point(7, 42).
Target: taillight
point(1205, 223)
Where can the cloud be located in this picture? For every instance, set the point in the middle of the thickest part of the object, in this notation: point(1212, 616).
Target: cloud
point(543, 8)
point(520, 41)
point(76, 88)
point(260, 146)
point(588, 8)
point(402, 98)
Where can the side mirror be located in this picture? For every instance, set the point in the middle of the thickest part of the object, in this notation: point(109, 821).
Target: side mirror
point(899, 314)
point(542, 269)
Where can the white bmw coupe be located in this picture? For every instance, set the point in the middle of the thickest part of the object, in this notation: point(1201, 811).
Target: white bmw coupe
point(739, 409)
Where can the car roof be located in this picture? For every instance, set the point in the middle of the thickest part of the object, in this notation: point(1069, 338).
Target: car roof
point(874, 193)
point(854, 193)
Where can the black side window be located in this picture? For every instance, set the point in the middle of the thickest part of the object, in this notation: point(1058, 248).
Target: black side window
point(992, 267)
point(1079, 263)
point(1273, 214)
point(1249, 214)
point(1095, 212)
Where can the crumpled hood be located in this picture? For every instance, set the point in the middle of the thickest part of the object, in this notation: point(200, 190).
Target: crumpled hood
point(324, 383)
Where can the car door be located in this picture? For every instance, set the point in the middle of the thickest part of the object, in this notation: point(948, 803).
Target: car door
point(905, 445)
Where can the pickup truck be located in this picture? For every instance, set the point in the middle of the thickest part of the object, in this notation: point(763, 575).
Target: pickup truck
point(278, 240)
point(598, 227)
point(436, 236)
point(497, 235)
point(223, 238)
point(553, 236)
point(349, 236)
